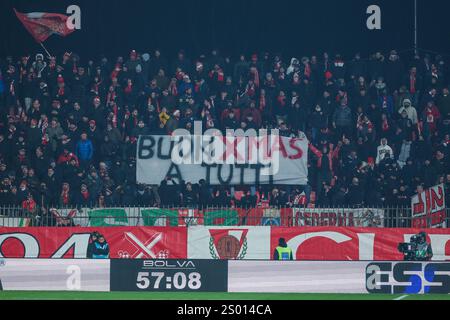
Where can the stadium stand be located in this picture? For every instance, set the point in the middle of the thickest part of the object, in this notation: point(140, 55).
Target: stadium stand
point(378, 126)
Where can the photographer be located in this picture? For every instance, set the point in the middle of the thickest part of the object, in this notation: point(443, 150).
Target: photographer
point(417, 249)
point(423, 249)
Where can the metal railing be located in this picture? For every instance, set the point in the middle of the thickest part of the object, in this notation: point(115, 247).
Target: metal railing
point(389, 217)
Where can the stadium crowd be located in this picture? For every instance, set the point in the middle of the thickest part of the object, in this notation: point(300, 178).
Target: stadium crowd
point(378, 127)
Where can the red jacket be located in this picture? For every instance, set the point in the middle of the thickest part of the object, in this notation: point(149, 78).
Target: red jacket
point(431, 117)
point(67, 158)
point(29, 205)
point(333, 154)
point(254, 113)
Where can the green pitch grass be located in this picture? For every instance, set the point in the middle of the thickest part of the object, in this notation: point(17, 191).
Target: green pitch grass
point(33, 295)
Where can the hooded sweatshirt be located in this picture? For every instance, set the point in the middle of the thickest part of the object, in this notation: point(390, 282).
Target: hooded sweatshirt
point(410, 110)
point(383, 152)
point(291, 68)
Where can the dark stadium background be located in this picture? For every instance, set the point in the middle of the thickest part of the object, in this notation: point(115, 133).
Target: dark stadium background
point(303, 27)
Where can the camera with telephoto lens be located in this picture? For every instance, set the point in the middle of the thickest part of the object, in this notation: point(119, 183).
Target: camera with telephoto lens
point(409, 249)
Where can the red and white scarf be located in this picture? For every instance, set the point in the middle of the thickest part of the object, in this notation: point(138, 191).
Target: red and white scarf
point(412, 83)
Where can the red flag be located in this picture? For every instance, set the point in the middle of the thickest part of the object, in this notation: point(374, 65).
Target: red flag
point(42, 25)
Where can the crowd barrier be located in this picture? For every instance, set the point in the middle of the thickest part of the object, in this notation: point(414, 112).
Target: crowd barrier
point(219, 242)
point(374, 217)
point(391, 277)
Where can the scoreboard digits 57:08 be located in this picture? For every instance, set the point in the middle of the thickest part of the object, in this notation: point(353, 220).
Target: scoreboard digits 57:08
point(169, 275)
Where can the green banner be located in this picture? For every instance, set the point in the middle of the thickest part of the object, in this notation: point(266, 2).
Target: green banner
point(108, 218)
point(160, 217)
point(221, 218)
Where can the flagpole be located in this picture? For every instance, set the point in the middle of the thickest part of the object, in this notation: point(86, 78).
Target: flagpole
point(48, 53)
point(415, 28)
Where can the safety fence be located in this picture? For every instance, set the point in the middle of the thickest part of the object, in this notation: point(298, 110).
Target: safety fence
point(390, 217)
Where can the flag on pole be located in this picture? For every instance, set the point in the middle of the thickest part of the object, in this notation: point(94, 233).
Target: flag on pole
point(42, 25)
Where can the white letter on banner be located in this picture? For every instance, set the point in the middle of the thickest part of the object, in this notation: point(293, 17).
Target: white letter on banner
point(373, 277)
point(74, 280)
point(211, 147)
point(74, 21)
point(181, 152)
point(438, 243)
point(79, 242)
point(337, 237)
point(374, 20)
point(29, 243)
point(366, 245)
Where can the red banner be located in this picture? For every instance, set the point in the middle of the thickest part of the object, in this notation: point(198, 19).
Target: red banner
point(428, 208)
point(328, 243)
point(308, 243)
point(124, 242)
point(42, 25)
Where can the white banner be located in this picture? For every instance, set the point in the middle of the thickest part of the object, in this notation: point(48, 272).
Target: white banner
point(54, 275)
point(386, 277)
point(229, 243)
point(345, 217)
point(247, 165)
point(428, 208)
point(11, 222)
point(296, 276)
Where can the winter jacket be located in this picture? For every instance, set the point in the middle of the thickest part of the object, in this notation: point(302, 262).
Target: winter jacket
point(114, 135)
point(100, 250)
point(405, 152)
point(355, 195)
point(343, 116)
point(2, 86)
point(85, 150)
point(83, 201)
point(95, 186)
point(254, 113)
point(54, 134)
point(444, 106)
point(318, 120)
point(386, 104)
